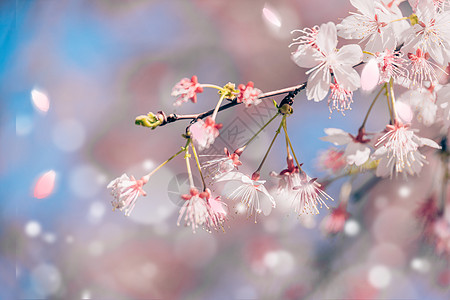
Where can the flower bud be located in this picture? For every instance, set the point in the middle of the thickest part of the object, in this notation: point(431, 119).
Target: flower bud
point(229, 91)
point(150, 120)
point(286, 109)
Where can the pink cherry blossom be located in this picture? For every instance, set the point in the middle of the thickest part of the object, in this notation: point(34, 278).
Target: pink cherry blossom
point(391, 65)
point(249, 95)
point(324, 59)
point(197, 210)
point(340, 99)
point(335, 221)
point(186, 89)
point(357, 151)
point(398, 151)
point(369, 24)
point(423, 102)
point(222, 164)
point(307, 39)
point(441, 232)
point(249, 192)
point(308, 196)
point(125, 191)
point(428, 210)
point(431, 34)
point(421, 68)
point(205, 132)
point(288, 178)
point(332, 160)
point(297, 187)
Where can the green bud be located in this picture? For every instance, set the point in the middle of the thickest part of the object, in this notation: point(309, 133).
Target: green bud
point(150, 120)
point(286, 109)
point(229, 91)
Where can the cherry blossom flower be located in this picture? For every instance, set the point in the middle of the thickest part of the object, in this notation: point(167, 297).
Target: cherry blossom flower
point(421, 68)
point(332, 160)
point(340, 99)
point(394, 17)
point(223, 164)
point(125, 191)
point(335, 221)
point(303, 192)
point(431, 34)
point(249, 192)
point(391, 65)
point(357, 152)
point(370, 23)
point(249, 95)
point(186, 89)
point(324, 59)
point(428, 210)
point(441, 231)
point(205, 132)
point(423, 101)
point(305, 41)
point(397, 151)
point(309, 196)
point(219, 212)
point(288, 178)
point(197, 210)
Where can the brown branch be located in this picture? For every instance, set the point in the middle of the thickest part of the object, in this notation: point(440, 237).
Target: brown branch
point(292, 92)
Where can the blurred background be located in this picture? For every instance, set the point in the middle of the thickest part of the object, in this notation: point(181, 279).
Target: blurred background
point(74, 75)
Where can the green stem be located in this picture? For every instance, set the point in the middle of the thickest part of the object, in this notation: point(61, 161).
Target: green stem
point(401, 19)
point(371, 106)
point(198, 165)
point(388, 99)
point(290, 145)
point(259, 131)
point(165, 162)
point(188, 165)
point(213, 86)
point(270, 147)
point(216, 110)
point(394, 110)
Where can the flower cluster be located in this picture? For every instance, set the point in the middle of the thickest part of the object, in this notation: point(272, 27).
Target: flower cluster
point(404, 58)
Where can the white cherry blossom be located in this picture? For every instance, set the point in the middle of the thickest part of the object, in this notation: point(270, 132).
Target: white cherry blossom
point(250, 192)
point(126, 191)
point(431, 34)
point(423, 102)
point(398, 151)
point(324, 59)
point(357, 151)
point(369, 24)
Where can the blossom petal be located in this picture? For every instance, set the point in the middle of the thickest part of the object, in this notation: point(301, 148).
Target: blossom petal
point(231, 176)
point(357, 153)
point(318, 84)
point(326, 39)
point(429, 143)
point(350, 54)
point(306, 56)
point(336, 136)
point(366, 7)
point(347, 77)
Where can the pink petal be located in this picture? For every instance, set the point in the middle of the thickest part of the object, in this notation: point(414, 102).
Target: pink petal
point(45, 185)
point(270, 16)
point(40, 100)
point(370, 76)
point(404, 111)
